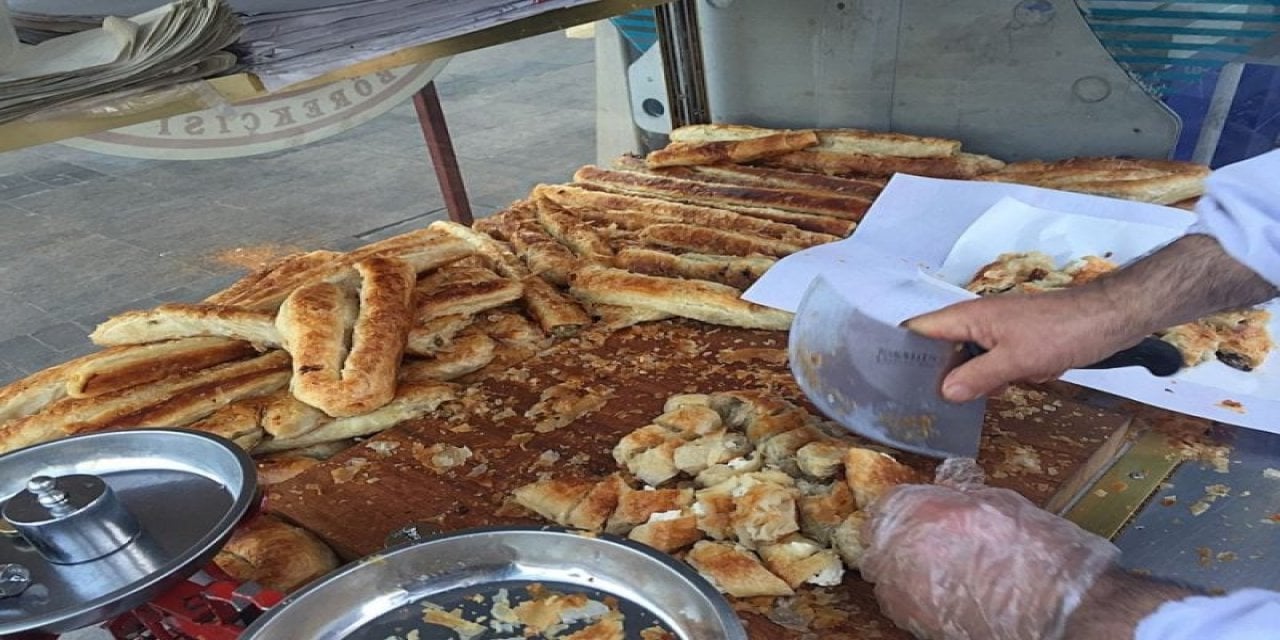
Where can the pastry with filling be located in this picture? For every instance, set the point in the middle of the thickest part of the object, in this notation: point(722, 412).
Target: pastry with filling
point(735, 570)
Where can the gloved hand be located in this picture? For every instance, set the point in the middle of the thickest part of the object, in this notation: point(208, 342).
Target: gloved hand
point(960, 561)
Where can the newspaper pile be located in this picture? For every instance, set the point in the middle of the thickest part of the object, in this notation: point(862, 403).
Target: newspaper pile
point(170, 44)
point(289, 41)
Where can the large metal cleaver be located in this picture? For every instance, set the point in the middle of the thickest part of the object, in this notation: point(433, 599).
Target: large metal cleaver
point(884, 382)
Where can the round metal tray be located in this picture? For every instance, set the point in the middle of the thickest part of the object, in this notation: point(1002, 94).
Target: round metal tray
point(384, 595)
point(187, 489)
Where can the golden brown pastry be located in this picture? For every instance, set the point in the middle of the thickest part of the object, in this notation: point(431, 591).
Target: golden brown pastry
point(726, 197)
point(730, 151)
point(959, 166)
point(856, 141)
point(315, 322)
point(173, 321)
point(124, 367)
point(275, 555)
point(735, 571)
point(668, 532)
point(412, 400)
point(798, 560)
point(734, 271)
point(699, 300)
point(871, 474)
point(689, 237)
point(70, 416)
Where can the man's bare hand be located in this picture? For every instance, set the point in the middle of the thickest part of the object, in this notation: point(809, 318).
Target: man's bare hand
point(1027, 337)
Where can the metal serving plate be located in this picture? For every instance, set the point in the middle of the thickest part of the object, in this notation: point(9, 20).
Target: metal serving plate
point(187, 489)
point(384, 595)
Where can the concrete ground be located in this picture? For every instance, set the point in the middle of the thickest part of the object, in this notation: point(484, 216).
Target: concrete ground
point(84, 235)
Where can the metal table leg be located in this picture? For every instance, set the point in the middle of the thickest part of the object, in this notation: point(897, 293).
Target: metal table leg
point(436, 132)
point(678, 36)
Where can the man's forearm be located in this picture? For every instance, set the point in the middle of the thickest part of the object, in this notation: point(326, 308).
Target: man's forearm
point(1116, 603)
point(1187, 280)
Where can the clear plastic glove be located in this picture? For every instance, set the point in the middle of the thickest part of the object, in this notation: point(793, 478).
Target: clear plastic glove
point(961, 561)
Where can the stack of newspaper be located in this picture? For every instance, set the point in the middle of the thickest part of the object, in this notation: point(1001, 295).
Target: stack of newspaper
point(290, 41)
point(170, 44)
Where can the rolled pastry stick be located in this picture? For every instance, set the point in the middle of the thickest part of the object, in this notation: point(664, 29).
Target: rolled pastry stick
point(125, 367)
point(284, 274)
point(557, 314)
point(412, 400)
point(859, 141)
point(734, 271)
point(194, 404)
point(174, 321)
point(572, 232)
point(848, 207)
point(635, 213)
point(961, 165)
point(77, 415)
point(705, 301)
point(315, 322)
point(730, 151)
point(284, 416)
point(714, 241)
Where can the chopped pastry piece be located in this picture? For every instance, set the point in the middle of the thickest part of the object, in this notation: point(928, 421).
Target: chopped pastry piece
point(780, 450)
point(823, 508)
point(717, 473)
point(1197, 341)
point(562, 404)
point(735, 571)
point(847, 539)
point(722, 446)
point(1243, 338)
point(657, 465)
point(764, 510)
point(597, 505)
point(635, 507)
point(713, 507)
point(553, 499)
point(639, 441)
point(687, 400)
point(668, 531)
point(1088, 269)
point(798, 560)
point(607, 628)
point(870, 474)
point(1010, 270)
point(276, 469)
point(690, 421)
point(656, 633)
point(821, 459)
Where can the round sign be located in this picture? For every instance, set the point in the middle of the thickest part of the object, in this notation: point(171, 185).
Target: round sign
point(266, 124)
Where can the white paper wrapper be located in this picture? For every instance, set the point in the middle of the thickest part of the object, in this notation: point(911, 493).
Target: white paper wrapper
point(921, 229)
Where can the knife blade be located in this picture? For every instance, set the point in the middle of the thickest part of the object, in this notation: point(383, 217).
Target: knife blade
point(883, 382)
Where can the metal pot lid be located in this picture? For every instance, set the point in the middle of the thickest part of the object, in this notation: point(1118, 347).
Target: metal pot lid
point(186, 489)
point(477, 577)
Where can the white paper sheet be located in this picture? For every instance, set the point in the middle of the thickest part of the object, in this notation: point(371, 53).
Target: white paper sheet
point(891, 261)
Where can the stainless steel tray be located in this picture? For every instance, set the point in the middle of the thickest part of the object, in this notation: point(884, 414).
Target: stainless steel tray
point(384, 595)
point(187, 489)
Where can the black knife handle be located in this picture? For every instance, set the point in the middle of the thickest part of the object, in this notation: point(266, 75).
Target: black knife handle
point(1153, 354)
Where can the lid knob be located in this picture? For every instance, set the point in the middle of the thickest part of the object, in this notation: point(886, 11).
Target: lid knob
point(50, 496)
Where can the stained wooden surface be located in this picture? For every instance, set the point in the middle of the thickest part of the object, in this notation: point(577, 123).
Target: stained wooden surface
point(1031, 444)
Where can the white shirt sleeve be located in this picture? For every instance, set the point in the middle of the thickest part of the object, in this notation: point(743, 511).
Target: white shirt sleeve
point(1248, 614)
point(1241, 208)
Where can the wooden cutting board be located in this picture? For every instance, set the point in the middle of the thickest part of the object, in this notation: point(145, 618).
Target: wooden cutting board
point(1033, 442)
